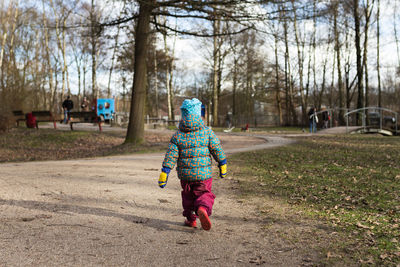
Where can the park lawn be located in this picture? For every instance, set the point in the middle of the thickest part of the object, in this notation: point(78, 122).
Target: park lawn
point(350, 181)
point(22, 144)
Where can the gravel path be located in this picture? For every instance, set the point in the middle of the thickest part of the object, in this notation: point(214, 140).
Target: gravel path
point(110, 212)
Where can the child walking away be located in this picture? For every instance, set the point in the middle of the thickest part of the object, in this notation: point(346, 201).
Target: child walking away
point(191, 148)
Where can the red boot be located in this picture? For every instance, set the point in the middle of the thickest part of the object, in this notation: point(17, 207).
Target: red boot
point(204, 220)
point(190, 223)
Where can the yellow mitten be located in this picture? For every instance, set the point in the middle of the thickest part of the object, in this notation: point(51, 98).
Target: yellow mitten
point(162, 181)
point(222, 169)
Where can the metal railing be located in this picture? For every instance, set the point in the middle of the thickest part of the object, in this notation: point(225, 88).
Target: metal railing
point(362, 111)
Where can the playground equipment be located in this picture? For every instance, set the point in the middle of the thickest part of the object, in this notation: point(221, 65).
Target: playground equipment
point(374, 121)
point(105, 108)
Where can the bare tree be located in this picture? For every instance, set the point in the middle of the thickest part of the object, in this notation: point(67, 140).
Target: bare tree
point(357, 36)
point(367, 14)
point(300, 62)
point(216, 78)
point(378, 68)
point(198, 10)
point(61, 18)
point(338, 60)
point(135, 133)
point(169, 74)
point(277, 75)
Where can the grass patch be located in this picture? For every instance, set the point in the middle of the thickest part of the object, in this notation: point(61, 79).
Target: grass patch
point(23, 144)
point(353, 181)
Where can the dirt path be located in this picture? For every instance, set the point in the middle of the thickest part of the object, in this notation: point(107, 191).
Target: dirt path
point(110, 211)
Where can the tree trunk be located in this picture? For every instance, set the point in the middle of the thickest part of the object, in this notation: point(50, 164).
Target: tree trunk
point(234, 89)
point(396, 38)
point(360, 98)
point(307, 88)
point(95, 92)
point(61, 46)
point(347, 69)
point(3, 43)
point(168, 79)
point(277, 89)
point(378, 68)
point(314, 44)
point(323, 84)
point(367, 13)
point(300, 66)
point(156, 80)
point(64, 48)
point(339, 65)
point(135, 133)
point(332, 82)
point(215, 73)
point(291, 116)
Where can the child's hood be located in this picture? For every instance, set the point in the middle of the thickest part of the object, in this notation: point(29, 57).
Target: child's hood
point(191, 115)
point(190, 123)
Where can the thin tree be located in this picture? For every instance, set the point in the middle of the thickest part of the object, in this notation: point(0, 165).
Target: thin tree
point(367, 13)
point(360, 97)
point(277, 76)
point(169, 74)
point(338, 61)
point(300, 63)
point(378, 68)
point(216, 51)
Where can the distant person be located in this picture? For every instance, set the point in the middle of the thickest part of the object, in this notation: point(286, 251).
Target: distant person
point(191, 149)
point(30, 120)
point(85, 104)
point(325, 118)
point(228, 120)
point(67, 105)
point(313, 119)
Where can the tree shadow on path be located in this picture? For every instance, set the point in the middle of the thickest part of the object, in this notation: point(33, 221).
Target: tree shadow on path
point(161, 225)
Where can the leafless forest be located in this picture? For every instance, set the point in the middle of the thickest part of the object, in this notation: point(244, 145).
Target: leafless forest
point(260, 58)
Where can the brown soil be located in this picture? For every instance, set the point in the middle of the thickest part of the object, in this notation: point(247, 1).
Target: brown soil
point(109, 211)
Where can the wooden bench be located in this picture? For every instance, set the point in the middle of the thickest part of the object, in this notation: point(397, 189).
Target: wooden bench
point(84, 117)
point(44, 116)
point(18, 116)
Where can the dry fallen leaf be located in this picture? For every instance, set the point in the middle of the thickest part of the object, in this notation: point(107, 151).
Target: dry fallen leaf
point(383, 256)
point(368, 261)
point(360, 225)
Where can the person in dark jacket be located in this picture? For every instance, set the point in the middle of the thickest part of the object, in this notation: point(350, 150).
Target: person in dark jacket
point(313, 119)
point(67, 105)
point(325, 118)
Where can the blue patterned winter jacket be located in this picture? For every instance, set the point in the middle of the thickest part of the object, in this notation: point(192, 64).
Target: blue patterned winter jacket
point(191, 148)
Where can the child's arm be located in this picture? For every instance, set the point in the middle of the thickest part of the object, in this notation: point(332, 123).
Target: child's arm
point(169, 162)
point(218, 154)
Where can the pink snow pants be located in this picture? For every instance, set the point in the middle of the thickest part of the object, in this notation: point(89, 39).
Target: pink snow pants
point(194, 195)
